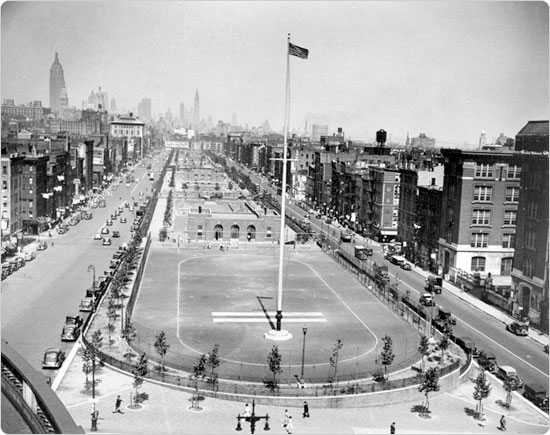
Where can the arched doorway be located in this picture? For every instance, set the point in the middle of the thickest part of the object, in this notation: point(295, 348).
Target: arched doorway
point(251, 233)
point(218, 232)
point(235, 231)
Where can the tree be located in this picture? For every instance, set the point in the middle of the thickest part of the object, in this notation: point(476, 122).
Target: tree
point(140, 370)
point(430, 383)
point(424, 348)
point(482, 389)
point(86, 365)
point(200, 367)
point(161, 347)
point(129, 334)
point(111, 315)
point(387, 354)
point(443, 345)
point(274, 363)
point(90, 354)
point(214, 359)
point(510, 385)
point(333, 360)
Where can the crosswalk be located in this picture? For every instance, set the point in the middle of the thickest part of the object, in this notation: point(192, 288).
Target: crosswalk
point(261, 316)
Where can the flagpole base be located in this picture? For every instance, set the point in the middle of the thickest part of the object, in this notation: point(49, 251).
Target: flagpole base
point(275, 335)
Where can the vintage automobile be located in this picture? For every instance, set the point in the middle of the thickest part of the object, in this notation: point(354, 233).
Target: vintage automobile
point(73, 320)
point(86, 305)
point(406, 265)
point(109, 222)
point(97, 236)
point(70, 333)
point(518, 328)
point(427, 300)
point(106, 241)
point(116, 233)
point(42, 246)
point(509, 373)
point(487, 361)
point(536, 393)
point(104, 230)
point(122, 220)
point(29, 256)
point(53, 358)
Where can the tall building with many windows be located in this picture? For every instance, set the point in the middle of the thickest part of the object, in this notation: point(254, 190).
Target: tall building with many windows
point(530, 271)
point(144, 109)
point(479, 212)
point(58, 91)
point(196, 111)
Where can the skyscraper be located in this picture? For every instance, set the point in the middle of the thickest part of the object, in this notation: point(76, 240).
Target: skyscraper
point(58, 92)
point(196, 111)
point(144, 109)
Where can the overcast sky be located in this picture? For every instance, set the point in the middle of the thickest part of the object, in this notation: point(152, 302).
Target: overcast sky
point(449, 70)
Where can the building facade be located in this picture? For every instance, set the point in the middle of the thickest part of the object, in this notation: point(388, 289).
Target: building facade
point(58, 91)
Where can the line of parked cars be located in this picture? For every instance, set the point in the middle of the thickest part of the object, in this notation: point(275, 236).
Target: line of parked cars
point(15, 263)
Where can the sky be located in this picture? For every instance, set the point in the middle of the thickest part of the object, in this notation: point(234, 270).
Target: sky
point(449, 69)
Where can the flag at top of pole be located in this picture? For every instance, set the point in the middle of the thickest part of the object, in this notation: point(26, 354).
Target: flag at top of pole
point(300, 52)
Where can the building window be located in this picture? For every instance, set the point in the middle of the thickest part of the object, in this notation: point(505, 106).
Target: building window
point(30, 191)
point(530, 236)
point(512, 194)
point(484, 170)
point(30, 180)
point(234, 231)
point(533, 209)
point(481, 217)
point(199, 231)
point(510, 217)
point(514, 171)
point(528, 267)
point(508, 240)
point(479, 240)
point(30, 204)
point(483, 193)
point(478, 264)
point(268, 232)
point(506, 266)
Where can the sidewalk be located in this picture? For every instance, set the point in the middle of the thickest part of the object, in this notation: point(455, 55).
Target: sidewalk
point(167, 411)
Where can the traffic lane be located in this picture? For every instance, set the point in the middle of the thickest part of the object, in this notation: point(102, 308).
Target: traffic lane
point(55, 294)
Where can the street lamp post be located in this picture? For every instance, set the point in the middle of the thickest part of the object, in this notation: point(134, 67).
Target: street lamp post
point(304, 330)
point(91, 267)
point(253, 418)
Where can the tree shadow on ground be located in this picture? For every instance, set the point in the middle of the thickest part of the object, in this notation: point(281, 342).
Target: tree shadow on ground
point(469, 411)
point(420, 409)
point(503, 404)
point(141, 397)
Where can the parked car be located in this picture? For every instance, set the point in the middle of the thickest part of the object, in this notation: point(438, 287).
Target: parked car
point(70, 333)
point(508, 372)
point(122, 220)
point(114, 216)
point(53, 358)
point(406, 265)
point(109, 222)
point(61, 230)
point(518, 328)
point(116, 233)
point(427, 300)
point(487, 361)
point(42, 246)
point(104, 230)
point(29, 256)
point(86, 304)
point(536, 393)
point(97, 236)
point(106, 241)
point(73, 320)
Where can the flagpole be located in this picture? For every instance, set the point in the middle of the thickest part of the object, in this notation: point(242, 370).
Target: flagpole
point(279, 315)
point(279, 334)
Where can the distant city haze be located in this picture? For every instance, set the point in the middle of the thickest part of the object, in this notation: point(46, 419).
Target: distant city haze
point(447, 69)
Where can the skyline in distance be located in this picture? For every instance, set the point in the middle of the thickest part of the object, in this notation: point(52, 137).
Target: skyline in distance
point(449, 70)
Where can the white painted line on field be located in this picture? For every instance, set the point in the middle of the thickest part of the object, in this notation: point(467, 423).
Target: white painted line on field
point(261, 320)
point(261, 313)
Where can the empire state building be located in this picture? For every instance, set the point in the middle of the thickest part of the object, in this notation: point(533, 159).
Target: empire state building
point(58, 92)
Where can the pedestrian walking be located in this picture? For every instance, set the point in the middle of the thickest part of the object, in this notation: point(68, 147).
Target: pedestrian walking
point(289, 426)
point(502, 423)
point(392, 427)
point(306, 410)
point(285, 421)
point(246, 410)
point(117, 405)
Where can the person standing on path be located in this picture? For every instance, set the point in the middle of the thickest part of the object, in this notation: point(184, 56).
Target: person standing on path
point(502, 423)
point(306, 410)
point(289, 426)
point(392, 427)
point(117, 405)
point(285, 421)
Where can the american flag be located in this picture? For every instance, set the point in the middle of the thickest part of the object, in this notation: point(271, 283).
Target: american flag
point(300, 52)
